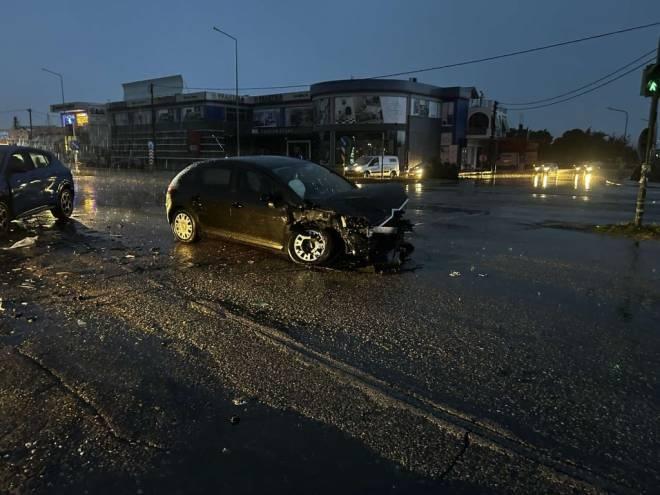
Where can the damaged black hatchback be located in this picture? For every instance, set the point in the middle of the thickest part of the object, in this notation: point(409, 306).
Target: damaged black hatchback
point(290, 205)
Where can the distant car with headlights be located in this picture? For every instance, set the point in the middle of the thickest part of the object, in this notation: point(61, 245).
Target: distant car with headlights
point(373, 166)
point(546, 168)
point(298, 207)
point(32, 181)
point(419, 171)
point(586, 168)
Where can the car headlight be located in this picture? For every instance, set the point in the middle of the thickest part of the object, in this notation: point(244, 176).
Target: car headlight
point(358, 169)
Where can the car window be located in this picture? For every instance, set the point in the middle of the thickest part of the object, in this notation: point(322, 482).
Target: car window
point(20, 163)
point(254, 183)
point(217, 178)
point(40, 160)
point(311, 181)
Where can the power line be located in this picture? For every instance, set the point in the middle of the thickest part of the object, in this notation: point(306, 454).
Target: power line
point(447, 66)
point(587, 91)
point(581, 87)
point(517, 52)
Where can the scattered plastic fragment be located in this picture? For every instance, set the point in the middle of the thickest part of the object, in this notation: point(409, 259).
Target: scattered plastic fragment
point(250, 262)
point(23, 243)
point(454, 274)
point(129, 256)
point(482, 275)
point(81, 323)
point(239, 401)
point(234, 420)
point(226, 451)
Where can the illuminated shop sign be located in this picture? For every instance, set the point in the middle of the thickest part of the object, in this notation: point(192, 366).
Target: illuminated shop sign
point(78, 118)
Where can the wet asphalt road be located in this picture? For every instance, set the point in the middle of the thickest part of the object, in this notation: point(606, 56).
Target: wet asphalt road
point(508, 355)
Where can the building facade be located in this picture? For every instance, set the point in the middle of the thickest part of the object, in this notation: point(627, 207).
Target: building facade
point(334, 123)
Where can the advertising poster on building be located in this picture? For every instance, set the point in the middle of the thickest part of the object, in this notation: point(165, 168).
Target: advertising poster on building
point(322, 111)
point(370, 110)
point(299, 117)
point(393, 109)
point(266, 117)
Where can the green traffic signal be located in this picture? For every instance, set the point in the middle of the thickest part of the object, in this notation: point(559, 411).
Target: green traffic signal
point(652, 86)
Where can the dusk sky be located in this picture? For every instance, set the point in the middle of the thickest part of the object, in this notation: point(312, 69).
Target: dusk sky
point(98, 45)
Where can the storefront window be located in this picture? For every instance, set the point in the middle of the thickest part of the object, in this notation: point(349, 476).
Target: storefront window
point(354, 146)
point(299, 117)
point(370, 110)
point(267, 117)
point(420, 107)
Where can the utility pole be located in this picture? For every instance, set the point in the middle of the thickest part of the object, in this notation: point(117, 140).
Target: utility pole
point(650, 145)
point(29, 111)
point(492, 151)
point(153, 121)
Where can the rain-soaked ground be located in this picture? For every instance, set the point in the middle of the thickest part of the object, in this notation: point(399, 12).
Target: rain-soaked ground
point(507, 356)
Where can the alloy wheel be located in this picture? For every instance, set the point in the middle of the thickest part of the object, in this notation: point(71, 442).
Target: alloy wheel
point(183, 226)
point(66, 202)
point(309, 245)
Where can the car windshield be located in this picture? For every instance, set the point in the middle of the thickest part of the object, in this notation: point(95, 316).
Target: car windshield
point(311, 181)
point(363, 160)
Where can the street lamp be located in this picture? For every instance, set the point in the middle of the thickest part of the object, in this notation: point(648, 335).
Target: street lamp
point(238, 126)
point(61, 80)
point(625, 132)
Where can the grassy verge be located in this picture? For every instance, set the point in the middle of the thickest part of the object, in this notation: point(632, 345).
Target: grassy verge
point(644, 232)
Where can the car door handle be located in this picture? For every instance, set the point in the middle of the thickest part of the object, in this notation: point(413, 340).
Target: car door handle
point(236, 205)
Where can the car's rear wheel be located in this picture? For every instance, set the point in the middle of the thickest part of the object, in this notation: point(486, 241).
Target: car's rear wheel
point(393, 174)
point(366, 174)
point(5, 218)
point(184, 227)
point(311, 246)
point(64, 207)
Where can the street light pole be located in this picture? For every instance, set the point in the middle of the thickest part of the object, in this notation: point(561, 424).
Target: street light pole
point(238, 125)
point(625, 132)
point(61, 80)
point(73, 126)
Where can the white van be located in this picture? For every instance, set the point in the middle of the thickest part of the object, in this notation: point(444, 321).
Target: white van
point(370, 166)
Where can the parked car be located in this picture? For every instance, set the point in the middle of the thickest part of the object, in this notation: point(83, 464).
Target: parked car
point(303, 209)
point(32, 181)
point(370, 166)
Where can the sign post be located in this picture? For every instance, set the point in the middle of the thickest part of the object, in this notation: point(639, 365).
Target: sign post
point(650, 81)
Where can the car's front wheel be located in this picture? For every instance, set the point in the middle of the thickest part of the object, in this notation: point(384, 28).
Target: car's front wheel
point(310, 246)
point(64, 207)
point(366, 174)
point(5, 218)
point(184, 227)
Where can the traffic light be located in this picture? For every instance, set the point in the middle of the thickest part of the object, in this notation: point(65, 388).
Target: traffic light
point(651, 80)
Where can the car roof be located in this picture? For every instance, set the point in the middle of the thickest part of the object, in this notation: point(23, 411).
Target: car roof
point(13, 148)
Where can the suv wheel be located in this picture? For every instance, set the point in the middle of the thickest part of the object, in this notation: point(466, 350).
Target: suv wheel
point(64, 207)
point(310, 246)
point(184, 227)
point(5, 218)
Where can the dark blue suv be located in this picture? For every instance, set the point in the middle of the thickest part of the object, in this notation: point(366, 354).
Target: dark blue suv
point(32, 181)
